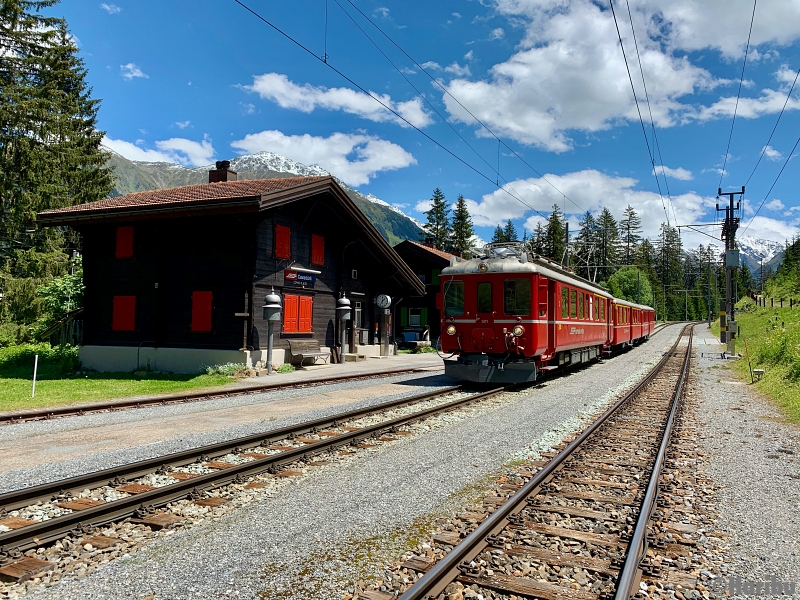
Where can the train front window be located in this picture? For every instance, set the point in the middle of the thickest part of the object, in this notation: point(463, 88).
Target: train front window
point(453, 298)
point(517, 296)
point(485, 297)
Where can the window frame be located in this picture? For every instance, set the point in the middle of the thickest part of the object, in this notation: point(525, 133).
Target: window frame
point(573, 304)
point(292, 315)
point(452, 289)
point(527, 308)
point(478, 299)
point(564, 302)
point(580, 305)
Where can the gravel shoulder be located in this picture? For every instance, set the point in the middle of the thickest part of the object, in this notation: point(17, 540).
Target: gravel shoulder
point(323, 532)
point(755, 459)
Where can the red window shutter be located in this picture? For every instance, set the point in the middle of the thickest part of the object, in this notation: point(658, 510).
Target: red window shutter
point(283, 236)
point(124, 242)
point(201, 311)
point(290, 303)
point(306, 310)
point(317, 250)
point(124, 313)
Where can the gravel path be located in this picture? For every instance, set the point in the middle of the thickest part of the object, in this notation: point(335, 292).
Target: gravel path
point(321, 534)
point(102, 440)
point(756, 459)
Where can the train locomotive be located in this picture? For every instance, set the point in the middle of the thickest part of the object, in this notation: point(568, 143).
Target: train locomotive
point(508, 316)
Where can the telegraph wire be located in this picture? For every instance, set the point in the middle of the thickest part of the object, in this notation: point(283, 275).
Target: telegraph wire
point(788, 158)
point(738, 94)
point(379, 101)
point(650, 110)
point(457, 101)
point(763, 150)
point(638, 110)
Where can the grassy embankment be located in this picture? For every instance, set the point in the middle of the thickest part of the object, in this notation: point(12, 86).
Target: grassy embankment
point(57, 382)
point(773, 342)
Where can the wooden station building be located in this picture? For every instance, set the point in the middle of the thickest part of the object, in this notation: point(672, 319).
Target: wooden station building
point(176, 278)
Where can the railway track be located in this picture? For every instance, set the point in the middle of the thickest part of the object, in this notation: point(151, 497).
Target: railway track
point(139, 489)
point(10, 418)
point(578, 528)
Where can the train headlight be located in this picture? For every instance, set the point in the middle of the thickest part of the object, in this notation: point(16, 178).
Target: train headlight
point(483, 267)
point(518, 330)
point(451, 330)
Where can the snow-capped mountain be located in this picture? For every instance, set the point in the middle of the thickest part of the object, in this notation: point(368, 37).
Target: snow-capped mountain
point(272, 162)
point(755, 251)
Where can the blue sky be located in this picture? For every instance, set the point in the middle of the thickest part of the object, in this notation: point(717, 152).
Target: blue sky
point(194, 82)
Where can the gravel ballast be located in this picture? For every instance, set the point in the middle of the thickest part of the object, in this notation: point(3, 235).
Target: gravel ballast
point(755, 459)
point(322, 533)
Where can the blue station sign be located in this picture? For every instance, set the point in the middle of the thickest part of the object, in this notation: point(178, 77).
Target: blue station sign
point(292, 277)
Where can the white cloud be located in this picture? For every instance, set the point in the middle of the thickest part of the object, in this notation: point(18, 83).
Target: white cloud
point(307, 98)
point(352, 158)
point(469, 55)
point(679, 173)
point(591, 190)
point(111, 9)
point(131, 71)
point(771, 229)
point(247, 108)
point(497, 34)
point(182, 124)
point(423, 206)
point(381, 11)
point(458, 70)
point(456, 15)
point(775, 205)
point(771, 153)
point(178, 150)
point(433, 65)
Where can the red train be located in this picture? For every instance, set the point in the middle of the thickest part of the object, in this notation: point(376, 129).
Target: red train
point(506, 317)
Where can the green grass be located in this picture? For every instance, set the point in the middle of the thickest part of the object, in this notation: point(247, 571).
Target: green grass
point(773, 344)
point(58, 383)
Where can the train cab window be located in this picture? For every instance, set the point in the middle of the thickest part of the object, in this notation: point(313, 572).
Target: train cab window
point(573, 304)
point(453, 298)
point(517, 296)
point(580, 305)
point(484, 297)
point(564, 303)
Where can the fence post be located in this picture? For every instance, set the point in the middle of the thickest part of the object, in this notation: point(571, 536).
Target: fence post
point(35, 368)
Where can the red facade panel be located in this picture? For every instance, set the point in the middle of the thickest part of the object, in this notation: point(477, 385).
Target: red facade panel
point(283, 246)
point(124, 247)
point(306, 310)
point(124, 313)
point(290, 313)
point(201, 311)
point(317, 249)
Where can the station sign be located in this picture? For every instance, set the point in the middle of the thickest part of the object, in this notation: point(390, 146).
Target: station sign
point(292, 277)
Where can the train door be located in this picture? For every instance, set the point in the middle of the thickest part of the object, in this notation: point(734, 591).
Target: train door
point(553, 302)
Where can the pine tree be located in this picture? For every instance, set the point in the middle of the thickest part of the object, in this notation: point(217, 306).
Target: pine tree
point(630, 232)
point(510, 232)
point(498, 236)
point(670, 271)
point(462, 227)
point(554, 237)
point(585, 247)
point(607, 245)
point(438, 226)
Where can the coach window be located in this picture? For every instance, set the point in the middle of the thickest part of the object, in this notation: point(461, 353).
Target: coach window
point(580, 305)
point(564, 303)
point(485, 297)
point(573, 304)
point(603, 309)
point(453, 298)
point(517, 296)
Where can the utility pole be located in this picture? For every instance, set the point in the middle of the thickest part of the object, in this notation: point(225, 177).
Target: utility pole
point(727, 321)
point(708, 298)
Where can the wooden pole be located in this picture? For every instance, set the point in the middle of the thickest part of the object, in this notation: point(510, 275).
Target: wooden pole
point(747, 353)
point(35, 368)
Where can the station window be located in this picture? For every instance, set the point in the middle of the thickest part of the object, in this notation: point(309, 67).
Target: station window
point(297, 313)
point(564, 303)
point(201, 311)
point(517, 296)
point(573, 304)
point(123, 317)
point(484, 297)
point(283, 242)
point(317, 249)
point(453, 298)
point(414, 317)
point(124, 245)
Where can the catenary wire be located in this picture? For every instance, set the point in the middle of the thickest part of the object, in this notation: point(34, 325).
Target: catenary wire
point(738, 94)
point(638, 110)
point(788, 158)
point(650, 110)
point(457, 101)
point(764, 149)
point(379, 101)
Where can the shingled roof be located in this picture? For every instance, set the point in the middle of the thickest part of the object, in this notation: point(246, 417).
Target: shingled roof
point(187, 196)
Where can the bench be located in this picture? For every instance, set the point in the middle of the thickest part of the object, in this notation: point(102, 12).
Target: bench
point(303, 349)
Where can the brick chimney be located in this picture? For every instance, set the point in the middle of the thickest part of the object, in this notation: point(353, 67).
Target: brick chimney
point(222, 172)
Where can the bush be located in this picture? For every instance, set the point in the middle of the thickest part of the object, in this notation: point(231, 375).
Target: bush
point(228, 370)
point(284, 368)
point(16, 361)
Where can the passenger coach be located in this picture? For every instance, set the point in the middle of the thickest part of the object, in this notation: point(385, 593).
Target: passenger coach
point(508, 316)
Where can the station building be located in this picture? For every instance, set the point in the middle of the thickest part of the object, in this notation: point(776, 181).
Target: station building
point(176, 278)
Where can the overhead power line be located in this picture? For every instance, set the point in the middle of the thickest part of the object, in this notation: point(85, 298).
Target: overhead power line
point(457, 101)
point(638, 110)
point(764, 149)
point(738, 94)
point(387, 107)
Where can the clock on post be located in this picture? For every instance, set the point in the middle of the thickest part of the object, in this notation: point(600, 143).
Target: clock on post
point(383, 301)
